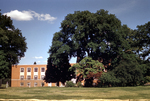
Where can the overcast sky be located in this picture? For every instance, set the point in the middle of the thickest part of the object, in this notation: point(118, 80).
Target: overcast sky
point(38, 20)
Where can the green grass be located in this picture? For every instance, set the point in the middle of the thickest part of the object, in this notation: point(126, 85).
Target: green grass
point(57, 93)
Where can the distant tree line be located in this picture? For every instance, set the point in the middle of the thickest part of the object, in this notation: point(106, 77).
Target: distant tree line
point(101, 43)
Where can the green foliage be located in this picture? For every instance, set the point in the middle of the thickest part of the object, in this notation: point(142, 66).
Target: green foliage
point(108, 79)
point(102, 37)
point(69, 84)
point(4, 66)
point(87, 66)
point(140, 39)
point(12, 45)
point(88, 33)
point(79, 84)
point(147, 79)
point(127, 73)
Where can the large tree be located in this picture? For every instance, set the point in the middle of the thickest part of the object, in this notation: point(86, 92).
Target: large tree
point(99, 35)
point(12, 45)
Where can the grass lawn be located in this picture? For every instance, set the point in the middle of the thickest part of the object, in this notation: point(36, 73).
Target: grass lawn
point(58, 93)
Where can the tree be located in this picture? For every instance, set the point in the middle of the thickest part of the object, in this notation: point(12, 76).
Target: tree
point(140, 41)
point(4, 65)
point(144, 39)
point(108, 80)
point(99, 35)
point(12, 44)
point(88, 70)
point(127, 73)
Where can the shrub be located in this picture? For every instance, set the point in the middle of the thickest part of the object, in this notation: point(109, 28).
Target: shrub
point(147, 79)
point(79, 84)
point(69, 84)
point(108, 79)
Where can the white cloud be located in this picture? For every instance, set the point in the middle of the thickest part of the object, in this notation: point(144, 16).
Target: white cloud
point(21, 16)
point(40, 57)
point(29, 15)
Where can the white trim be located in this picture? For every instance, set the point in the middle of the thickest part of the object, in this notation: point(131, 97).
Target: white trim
point(41, 77)
point(20, 77)
point(42, 73)
point(30, 68)
point(22, 73)
point(35, 73)
point(34, 76)
point(23, 70)
point(37, 69)
point(28, 73)
point(26, 79)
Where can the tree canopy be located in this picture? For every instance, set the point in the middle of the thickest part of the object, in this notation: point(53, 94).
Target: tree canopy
point(89, 34)
point(100, 36)
point(12, 45)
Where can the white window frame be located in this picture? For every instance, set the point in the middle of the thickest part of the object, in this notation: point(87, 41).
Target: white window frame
point(23, 69)
point(43, 77)
point(30, 69)
point(36, 76)
point(21, 77)
point(41, 69)
point(27, 77)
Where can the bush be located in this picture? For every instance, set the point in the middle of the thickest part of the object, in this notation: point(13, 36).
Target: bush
point(108, 79)
point(79, 84)
point(147, 79)
point(69, 84)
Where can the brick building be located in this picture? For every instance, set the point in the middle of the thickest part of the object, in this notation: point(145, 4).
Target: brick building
point(29, 76)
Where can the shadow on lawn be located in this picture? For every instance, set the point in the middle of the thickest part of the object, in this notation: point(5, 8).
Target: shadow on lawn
point(2, 87)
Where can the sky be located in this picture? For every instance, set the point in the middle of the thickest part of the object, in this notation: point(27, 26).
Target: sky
point(38, 20)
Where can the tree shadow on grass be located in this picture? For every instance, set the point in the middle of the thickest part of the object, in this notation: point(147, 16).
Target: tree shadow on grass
point(2, 87)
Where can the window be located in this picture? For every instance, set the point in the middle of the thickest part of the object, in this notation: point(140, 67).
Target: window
point(22, 70)
point(21, 77)
point(42, 77)
point(29, 70)
point(35, 84)
point(28, 84)
point(35, 77)
point(28, 77)
point(21, 84)
point(35, 69)
point(42, 69)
